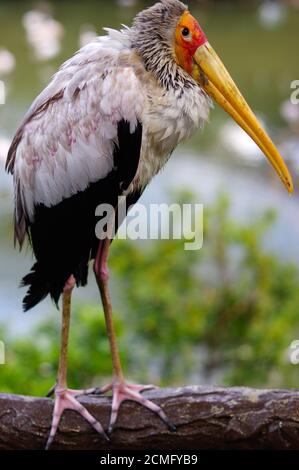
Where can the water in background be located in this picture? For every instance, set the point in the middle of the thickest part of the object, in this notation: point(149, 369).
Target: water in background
point(258, 45)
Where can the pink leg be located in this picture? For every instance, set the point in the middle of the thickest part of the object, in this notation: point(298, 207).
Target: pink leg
point(64, 397)
point(120, 389)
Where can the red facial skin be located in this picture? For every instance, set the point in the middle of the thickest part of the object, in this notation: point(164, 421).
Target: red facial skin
point(185, 47)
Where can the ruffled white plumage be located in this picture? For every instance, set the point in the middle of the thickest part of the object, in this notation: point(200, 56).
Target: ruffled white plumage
point(70, 143)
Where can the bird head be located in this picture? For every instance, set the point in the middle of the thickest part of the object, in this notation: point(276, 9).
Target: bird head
point(171, 40)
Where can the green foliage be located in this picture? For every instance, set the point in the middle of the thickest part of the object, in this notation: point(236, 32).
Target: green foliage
point(225, 314)
point(31, 365)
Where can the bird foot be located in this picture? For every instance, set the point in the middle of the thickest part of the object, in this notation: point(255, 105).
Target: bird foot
point(122, 391)
point(65, 399)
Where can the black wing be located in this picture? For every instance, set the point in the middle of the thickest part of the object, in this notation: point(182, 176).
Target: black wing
point(63, 236)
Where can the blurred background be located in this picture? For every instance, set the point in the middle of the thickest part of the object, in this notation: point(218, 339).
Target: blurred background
point(226, 314)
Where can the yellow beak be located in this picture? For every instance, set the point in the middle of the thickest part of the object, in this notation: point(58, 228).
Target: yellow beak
point(216, 81)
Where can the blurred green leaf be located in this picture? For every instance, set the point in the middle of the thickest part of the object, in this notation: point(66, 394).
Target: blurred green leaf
point(226, 313)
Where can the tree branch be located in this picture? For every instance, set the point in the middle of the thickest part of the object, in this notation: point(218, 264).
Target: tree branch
point(206, 418)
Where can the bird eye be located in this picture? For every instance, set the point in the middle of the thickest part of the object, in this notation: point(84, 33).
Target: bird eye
point(185, 32)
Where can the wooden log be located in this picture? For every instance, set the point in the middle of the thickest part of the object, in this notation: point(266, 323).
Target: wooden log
point(206, 418)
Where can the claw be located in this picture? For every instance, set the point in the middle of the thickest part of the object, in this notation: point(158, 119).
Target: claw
point(65, 400)
point(51, 391)
point(142, 388)
point(87, 391)
point(122, 392)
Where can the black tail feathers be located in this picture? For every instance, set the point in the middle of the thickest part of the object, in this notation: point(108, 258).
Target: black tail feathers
point(39, 287)
point(46, 280)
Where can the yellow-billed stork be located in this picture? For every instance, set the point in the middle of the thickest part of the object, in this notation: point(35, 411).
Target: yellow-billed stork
point(105, 125)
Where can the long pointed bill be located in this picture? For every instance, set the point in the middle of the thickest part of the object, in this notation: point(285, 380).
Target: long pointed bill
point(217, 82)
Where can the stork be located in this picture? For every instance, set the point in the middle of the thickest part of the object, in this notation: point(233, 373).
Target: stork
point(103, 128)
